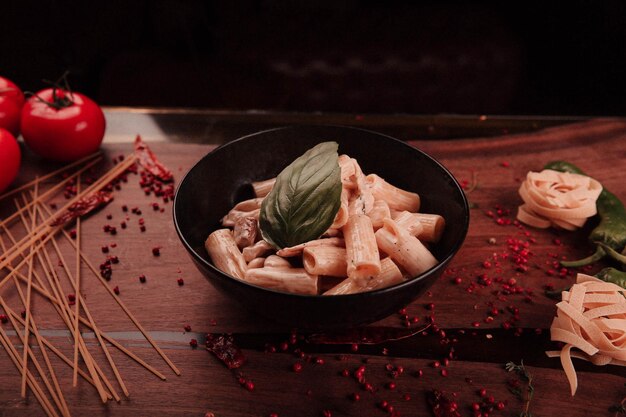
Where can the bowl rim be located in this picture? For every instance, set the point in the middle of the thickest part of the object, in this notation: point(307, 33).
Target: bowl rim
point(396, 287)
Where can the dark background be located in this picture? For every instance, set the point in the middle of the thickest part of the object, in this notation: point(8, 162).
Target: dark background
point(550, 58)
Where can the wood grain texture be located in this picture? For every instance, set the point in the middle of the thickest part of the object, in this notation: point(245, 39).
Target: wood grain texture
point(482, 346)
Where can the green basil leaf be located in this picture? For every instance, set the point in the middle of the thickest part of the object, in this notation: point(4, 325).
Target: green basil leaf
point(305, 198)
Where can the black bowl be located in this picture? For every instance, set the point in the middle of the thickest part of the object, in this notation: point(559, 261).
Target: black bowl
point(222, 178)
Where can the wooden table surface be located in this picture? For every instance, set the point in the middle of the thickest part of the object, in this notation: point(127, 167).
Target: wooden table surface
point(481, 327)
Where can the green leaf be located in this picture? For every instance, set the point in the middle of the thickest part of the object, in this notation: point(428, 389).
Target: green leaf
point(305, 198)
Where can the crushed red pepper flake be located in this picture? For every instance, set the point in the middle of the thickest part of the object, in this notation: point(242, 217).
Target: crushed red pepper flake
point(223, 347)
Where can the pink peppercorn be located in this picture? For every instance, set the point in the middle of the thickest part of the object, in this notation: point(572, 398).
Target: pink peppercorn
point(193, 343)
point(180, 281)
point(187, 328)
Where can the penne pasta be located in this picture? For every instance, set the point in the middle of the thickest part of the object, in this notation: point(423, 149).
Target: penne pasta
point(297, 250)
point(225, 254)
point(379, 212)
point(256, 263)
point(275, 261)
point(342, 215)
point(292, 280)
point(325, 260)
point(389, 275)
point(432, 226)
point(245, 231)
point(363, 258)
point(231, 218)
point(409, 222)
point(261, 248)
point(246, 208)
point(362, 199)
point(263, 188)
point(347, 171)
point(406, 250)
point(397, 198)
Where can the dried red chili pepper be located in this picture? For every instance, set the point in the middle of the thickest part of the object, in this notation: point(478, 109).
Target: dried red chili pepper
point(149, 161)
point(84, 206)
point(224, 348)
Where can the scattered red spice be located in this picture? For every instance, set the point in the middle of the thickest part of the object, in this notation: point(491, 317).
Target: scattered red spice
point(187, 328)
point(441, 405)
point(142, 278)
point(180, 281)
point(297, 367)
point(193, 343)
point(156, 251)
point(3, 319)
point(116, 290)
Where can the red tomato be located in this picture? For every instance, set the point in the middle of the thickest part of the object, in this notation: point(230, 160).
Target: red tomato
point(11, 102)
point(62, 126)
point(10, 156)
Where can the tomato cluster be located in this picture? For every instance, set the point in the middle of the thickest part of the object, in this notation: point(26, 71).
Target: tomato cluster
point(55, 123)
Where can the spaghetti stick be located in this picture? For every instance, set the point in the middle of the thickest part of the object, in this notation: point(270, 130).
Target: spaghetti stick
point(77, 291)
point(63, 313)
point(61, 400)
point(92, 326)
point(45, 228)
point(32, 382)
point(50, 346)
point(125, 309)
point(54, 391)
point(131, 316)
point(50, 175)
point(27, 305)
point(50, 192)
point(54, 283)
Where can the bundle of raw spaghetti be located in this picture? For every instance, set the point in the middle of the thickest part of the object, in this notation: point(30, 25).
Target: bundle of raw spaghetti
point(560, 199)
point(592, 318)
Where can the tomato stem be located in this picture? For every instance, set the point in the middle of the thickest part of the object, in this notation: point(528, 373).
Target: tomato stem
point(59, 101)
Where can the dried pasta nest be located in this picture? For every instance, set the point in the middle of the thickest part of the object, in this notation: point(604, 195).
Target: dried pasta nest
point(558, 199)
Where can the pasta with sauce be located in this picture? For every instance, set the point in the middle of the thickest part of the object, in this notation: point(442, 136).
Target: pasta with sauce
point(378, 239)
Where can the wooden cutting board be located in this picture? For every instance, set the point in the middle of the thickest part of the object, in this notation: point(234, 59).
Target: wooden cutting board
point(486, 326)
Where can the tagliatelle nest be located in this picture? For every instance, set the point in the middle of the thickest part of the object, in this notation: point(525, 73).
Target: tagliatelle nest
point(592, 318)
point(559, 199)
